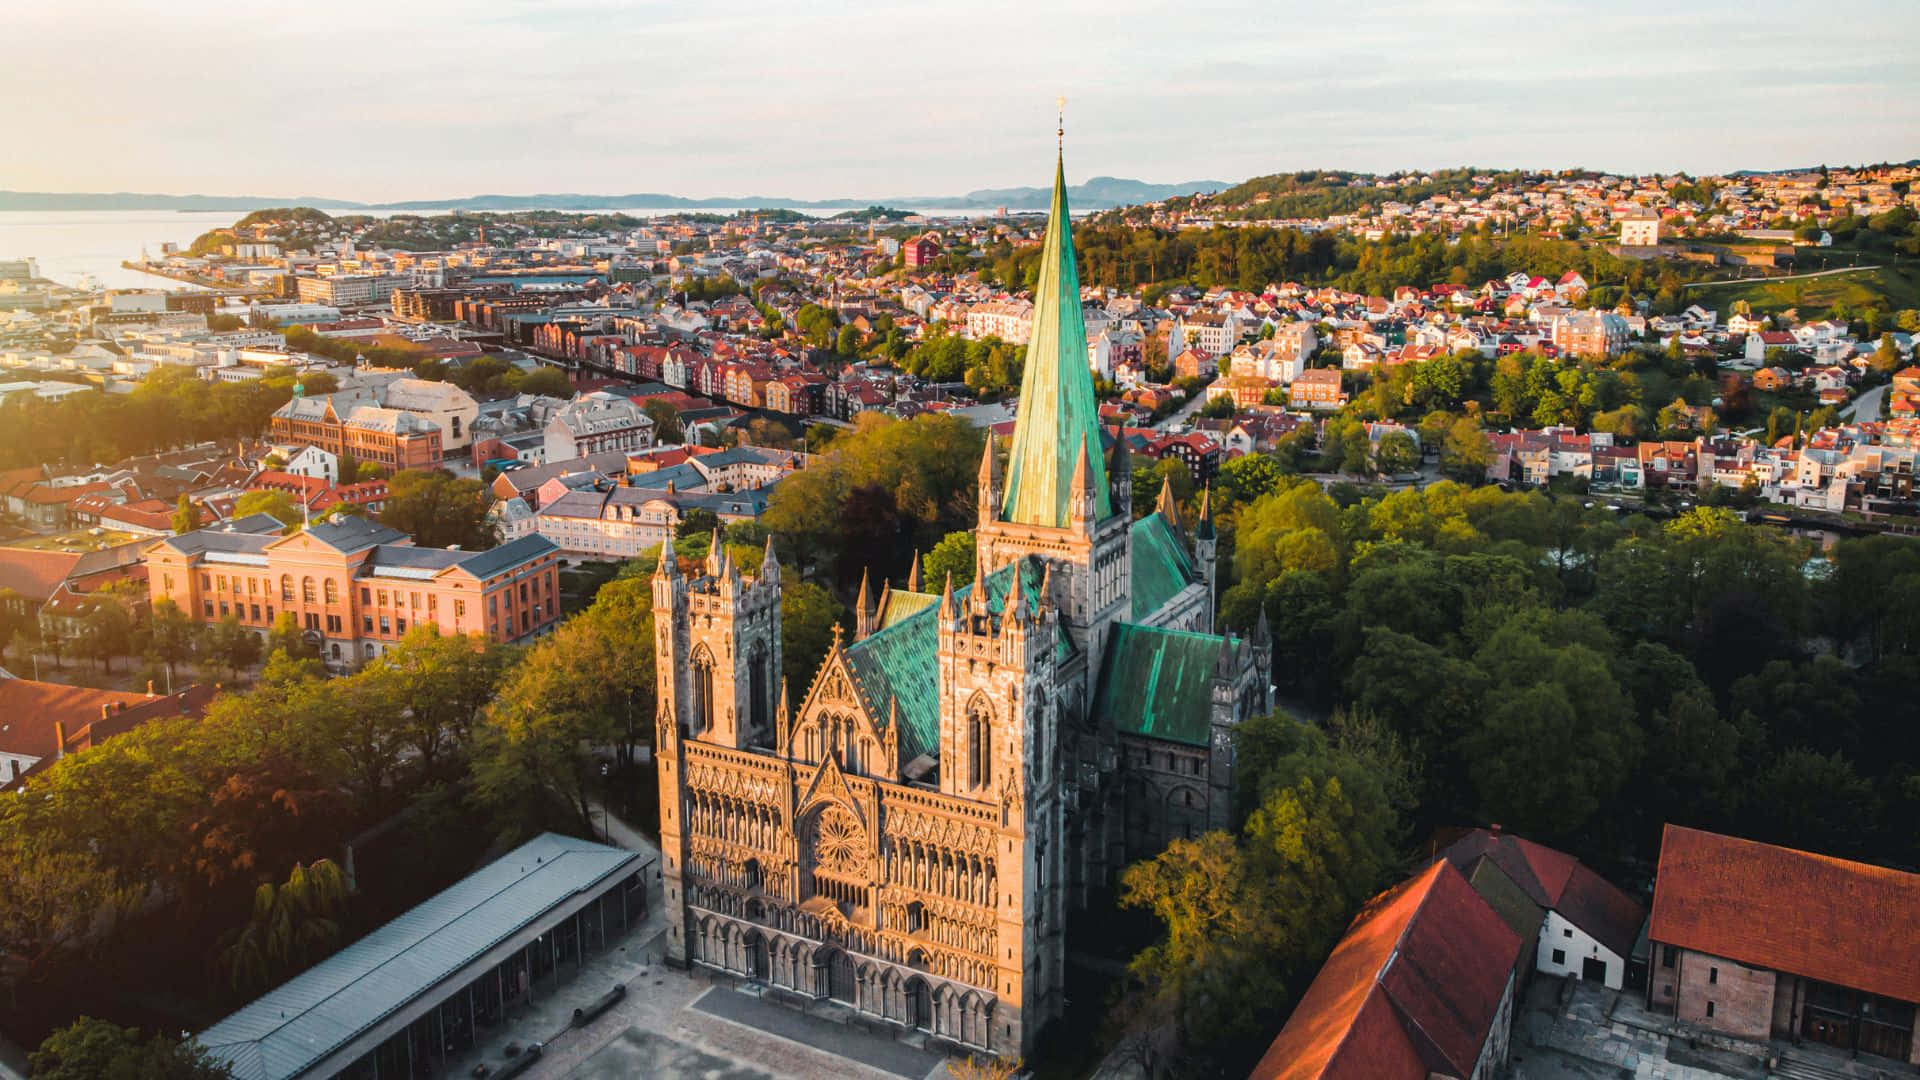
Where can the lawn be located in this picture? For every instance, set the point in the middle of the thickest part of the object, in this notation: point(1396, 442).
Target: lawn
point(1889, 287)
point(78, 540)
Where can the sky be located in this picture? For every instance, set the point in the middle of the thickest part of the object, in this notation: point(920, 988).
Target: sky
point(407, 99)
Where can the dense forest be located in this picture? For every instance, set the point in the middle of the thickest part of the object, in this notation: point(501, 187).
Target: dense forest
point(1124, 257)
point(1578, 677)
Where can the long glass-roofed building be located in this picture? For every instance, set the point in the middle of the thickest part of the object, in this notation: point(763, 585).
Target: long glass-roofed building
point(413, 993)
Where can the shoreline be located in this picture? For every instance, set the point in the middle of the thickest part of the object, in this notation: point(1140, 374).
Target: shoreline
point(209, 284)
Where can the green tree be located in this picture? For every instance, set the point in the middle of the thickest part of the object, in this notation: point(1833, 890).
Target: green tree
point(286, 638)
point(233, 645)
point(170, 636)
point(666, 421)
point(1396, 454)
point(444, 681)
point(956, 554)
point(439, 509)
point(186, 515)
point(291, 926)
point(1247, 478)
point(698, 521)
point(808, 616)
point(544, 381)
point(1886, 358)
point(106, 632)
point(1247, 922)
point(279, 504)
point(90, 1049)
point(1466, 454)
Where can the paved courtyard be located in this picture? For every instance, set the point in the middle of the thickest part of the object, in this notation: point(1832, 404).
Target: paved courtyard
point(1575, 1030)
point(676, 1026)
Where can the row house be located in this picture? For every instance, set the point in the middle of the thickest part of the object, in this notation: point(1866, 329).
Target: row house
point(799, 394)
point(845, 398)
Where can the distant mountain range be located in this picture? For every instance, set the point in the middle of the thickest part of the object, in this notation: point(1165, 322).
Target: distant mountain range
point(1099, 193)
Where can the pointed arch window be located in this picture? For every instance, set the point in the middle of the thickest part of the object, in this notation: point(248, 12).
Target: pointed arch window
point(979, 743)
point(759, 693)
point(702, 689)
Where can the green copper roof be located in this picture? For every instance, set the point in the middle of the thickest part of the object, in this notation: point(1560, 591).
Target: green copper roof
point(1057, 410)
point(1158, 682)
point(901, 603)
point(1161, 567)
point(901, 662)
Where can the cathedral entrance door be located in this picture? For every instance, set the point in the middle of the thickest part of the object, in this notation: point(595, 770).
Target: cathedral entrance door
point(756, 955)
point(840, 981)
point(919, 1005)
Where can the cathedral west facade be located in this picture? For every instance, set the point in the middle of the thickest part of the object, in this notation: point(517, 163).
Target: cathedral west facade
point(907, 835)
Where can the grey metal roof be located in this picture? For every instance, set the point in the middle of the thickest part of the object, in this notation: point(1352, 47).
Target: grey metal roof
point(606, 461)
point(349, 534)
point(202, 541)
point(482, 564)
point(416, 557)
point(291, 1028)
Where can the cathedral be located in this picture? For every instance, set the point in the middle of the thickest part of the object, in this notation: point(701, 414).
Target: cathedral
point(907, 835)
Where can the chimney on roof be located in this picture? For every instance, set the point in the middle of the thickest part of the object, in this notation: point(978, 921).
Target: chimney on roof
point(106, 710)
point(149, 687)
point(1494, 828)
point(59, 744)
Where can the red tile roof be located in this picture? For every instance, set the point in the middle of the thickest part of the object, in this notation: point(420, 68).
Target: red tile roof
point(1413, 989)
point(1845, 923)
point(1559, 882)
point(35, 574)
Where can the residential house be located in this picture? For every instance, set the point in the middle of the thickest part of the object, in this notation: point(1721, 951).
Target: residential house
point(1318, 389)
point(1589, 926)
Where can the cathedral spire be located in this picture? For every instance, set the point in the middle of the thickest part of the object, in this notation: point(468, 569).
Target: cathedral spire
point(949, 611)
point(989, 481)
point(1014, 612)
point(1203, 529)
point(913, 575)
point(1166, 507)
point(1084, 497)
point(1057, 408)
point(862, 612)
point(982, 567)
point(669, 567)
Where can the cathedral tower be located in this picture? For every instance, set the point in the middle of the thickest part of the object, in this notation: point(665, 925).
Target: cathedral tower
point(717, 654)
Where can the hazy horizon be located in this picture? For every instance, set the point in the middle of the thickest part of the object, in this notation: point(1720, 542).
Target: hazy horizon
point(436, 100)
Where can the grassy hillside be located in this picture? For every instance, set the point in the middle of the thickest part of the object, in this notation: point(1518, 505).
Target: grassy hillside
point(1890, 287)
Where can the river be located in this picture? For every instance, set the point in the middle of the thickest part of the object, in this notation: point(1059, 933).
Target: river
point(70, 244)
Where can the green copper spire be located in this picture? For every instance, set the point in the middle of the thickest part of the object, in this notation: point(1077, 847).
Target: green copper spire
point(1057, 410)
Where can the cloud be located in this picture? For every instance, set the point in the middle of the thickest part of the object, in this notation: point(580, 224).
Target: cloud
point(431, 97)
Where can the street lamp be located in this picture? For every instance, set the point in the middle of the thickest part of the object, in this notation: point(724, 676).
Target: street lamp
point(606, 785)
